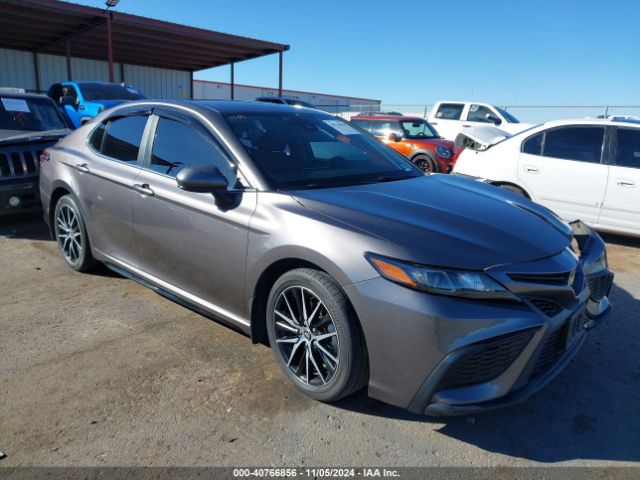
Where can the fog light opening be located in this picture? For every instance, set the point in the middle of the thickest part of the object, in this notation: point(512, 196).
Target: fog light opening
point(14, 201)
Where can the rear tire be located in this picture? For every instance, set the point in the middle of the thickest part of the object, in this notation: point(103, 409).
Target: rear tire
point(315, 335)
point(71, 235)
point(425, 163)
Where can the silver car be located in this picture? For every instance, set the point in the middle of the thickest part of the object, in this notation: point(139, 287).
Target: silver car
point(443, 295)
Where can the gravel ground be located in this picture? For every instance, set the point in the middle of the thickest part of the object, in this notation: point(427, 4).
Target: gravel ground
point(96, 370)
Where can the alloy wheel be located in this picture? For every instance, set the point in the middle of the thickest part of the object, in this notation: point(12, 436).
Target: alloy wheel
point(425, 166)
point(306, 336)
point(69, 234)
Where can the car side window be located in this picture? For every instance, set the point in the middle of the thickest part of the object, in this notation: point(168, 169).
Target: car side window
point(533, 145)
point(478, 113)
point(579, 143)
point(69, 91)
point(628, 147)
point(56, 93)
point(363, 124)
point(178, 145)
point(122, 138)
point(450, 111)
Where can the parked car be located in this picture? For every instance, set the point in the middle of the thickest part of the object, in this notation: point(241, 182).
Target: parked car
point(285, 101)
point(413, 137)
point(587, 169)
point(451, 118)
point(82, 101)
point(29, 123)
point(444, 295)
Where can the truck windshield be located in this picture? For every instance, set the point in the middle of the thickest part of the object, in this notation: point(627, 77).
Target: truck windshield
point(29, 113)
point(307, 150)
point(510, 118)
point(107, 91)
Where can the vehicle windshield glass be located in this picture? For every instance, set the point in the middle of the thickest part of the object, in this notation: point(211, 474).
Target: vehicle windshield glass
point(508, 117)
point(107, 91)
point(33, 114)
point(417, 129)
point(303, 150)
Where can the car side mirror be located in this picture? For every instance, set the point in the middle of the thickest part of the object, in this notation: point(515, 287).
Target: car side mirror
point(205, 179)
point(394, 137)
point(69, 100)
point(493, 119)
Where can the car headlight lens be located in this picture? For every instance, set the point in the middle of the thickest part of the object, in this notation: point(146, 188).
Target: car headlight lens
point(440, 281)
point(444, 152)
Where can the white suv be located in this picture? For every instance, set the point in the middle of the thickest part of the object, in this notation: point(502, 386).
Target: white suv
point(580, 169)
point(452, 118)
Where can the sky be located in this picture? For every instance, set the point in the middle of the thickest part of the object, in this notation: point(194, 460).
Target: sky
point(504, 52)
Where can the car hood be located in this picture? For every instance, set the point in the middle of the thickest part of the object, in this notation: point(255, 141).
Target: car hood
point(28, 136)
point(481, 137)
point(108, 103)
point(448, 221)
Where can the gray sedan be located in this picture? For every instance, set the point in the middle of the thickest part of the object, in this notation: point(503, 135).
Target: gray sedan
point(442, 295)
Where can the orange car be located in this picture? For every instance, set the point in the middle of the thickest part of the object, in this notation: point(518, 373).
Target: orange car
point(413, 137)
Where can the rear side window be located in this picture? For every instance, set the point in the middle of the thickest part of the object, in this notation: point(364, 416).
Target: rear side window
point(533, 145)
point(583, 144)
point(122, 138)
point(363, 124)
point(96, 137)
point(450, 111)
point(178, 145)
point(628, 147)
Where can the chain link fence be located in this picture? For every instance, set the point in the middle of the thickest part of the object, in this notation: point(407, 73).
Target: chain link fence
point(525, 113)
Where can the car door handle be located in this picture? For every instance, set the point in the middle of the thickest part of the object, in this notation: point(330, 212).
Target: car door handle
point(82, 167)
point(531, 169)
point(144, 189)
point(434, 123)
point(623, 182)
point(466, 126)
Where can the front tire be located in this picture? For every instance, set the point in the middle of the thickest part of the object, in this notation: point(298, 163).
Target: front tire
point(71, 235)
point(426, 164)
point(315, 335)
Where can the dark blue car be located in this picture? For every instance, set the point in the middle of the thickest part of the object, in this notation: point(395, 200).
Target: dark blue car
point(82, 101)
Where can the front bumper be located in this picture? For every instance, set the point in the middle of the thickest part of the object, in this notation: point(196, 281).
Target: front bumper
point(446, 356)
point(25, 190)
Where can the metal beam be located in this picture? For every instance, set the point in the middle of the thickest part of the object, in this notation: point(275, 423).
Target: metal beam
point(36, 70)
point(69, 36)
point(233, 82)
point(109, 46)
point(68, 45)
point(280, 73)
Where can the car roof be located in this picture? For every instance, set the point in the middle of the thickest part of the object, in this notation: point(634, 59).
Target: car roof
point(588, 121)
point(387, 117)
point(227, 106)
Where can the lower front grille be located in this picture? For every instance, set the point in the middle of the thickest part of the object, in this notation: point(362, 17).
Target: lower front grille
point(552, 351)
point(599, 286)
point(548, 307)
point(489, 361)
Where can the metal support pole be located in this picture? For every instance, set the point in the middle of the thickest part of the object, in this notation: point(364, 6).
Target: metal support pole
point(192, 96)
point(36, 70)
point(122, 72)
point(69, 76)
point(110, 46)
point(233, 82)
point(280, 75)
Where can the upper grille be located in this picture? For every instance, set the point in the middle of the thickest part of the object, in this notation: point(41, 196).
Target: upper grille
point(19, 161)
point(548, 307)
point(544, 278)
point(599, 286)
point(551, 352)
point(487, 363)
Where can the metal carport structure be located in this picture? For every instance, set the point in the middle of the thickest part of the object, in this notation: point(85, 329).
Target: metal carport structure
point(66, 29)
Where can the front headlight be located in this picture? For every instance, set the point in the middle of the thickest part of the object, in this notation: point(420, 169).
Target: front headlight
point(443, 151)
point(440, 281)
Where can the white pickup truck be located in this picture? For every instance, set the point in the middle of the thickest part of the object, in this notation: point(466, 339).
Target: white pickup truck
point(452, 118)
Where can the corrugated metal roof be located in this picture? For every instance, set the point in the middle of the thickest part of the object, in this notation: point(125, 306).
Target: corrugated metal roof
point(44, 25)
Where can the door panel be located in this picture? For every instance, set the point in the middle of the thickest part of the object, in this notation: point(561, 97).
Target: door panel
point(185, 239)
point(572, 188)
point(621, 208)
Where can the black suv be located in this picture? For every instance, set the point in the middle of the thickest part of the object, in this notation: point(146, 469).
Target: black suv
point(29, 123)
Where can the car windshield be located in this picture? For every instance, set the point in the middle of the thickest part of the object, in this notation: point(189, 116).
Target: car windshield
point(510, 118)
point(29, 113)
point(417, 129)
point(108, 91)
point(303, 150)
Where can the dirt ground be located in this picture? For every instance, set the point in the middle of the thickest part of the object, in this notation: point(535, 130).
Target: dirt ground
point(96, 370)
